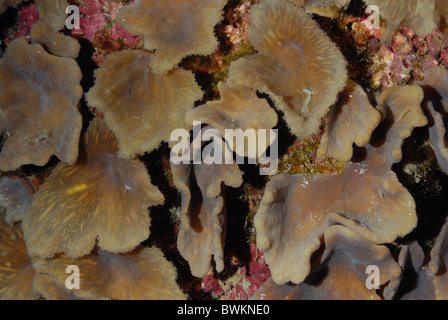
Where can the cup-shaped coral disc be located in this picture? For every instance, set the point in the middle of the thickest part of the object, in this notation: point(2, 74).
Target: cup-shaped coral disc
point(16, 271)
point(297, 64)
point(140, 107)
point(419, 15)
point(175, 28)
point(366, 197)
point(45, 120)
point(105, 198)
point(342, 273)
point(144, 274)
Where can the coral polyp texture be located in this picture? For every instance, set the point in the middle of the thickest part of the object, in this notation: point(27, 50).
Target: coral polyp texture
point(142, 108)
point(175, 29)
point(79, 196)
point(16, 271)
point(296, 63)
point(143, 274)
point(136, 137)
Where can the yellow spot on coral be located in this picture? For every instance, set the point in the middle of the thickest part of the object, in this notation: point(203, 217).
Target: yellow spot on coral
point(77, 189)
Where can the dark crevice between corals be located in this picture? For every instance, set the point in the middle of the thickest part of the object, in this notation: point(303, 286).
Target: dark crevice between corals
point(88, 67)
point(428, 185)
point(165, 223)
point(240, 230)
point(7, 20)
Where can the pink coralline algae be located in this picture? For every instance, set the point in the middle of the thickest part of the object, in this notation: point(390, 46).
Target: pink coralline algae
point(118, 33)
point(93, 17)
point(243, 283)
point(408, 57)
point(236, 32)
point(362, 35)
point(400, 61)
point(28, 16)
point(97, 24)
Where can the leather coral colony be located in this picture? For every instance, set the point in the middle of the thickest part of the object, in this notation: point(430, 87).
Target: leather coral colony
point(87, 181)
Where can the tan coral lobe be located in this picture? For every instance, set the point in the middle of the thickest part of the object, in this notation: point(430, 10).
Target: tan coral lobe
point(54, 42)
point(203, 212)
point(419, 15)
point(430, 280)
point(52, 13)
point(297, 64)
point(143, 274)
point(16, 271)
point(412, 261)
point(439, 263)
point(49, 288)
point(142, 108)
point(237, 109)
point(105, 198)
point(351, 120)
point(366, 197)
point(175, 28)
point(342, 273)
point(46, 120)
point(435, 85)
